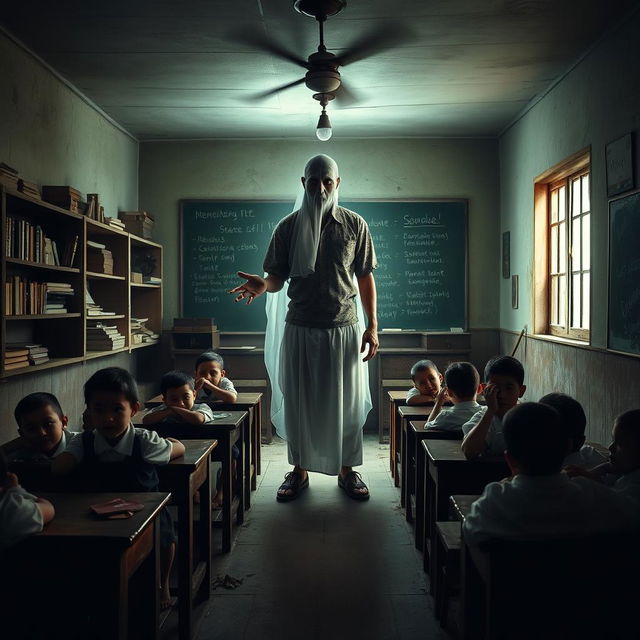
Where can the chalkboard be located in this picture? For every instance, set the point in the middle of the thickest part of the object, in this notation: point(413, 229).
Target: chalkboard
point(624, 274)
point(421, 248)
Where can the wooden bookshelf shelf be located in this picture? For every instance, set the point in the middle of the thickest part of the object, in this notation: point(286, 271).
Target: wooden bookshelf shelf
point(45, 316)
point(144, 344)
point(145, 285)
point(41, 265)
point(118, 316)
point(24, 205)
point(104, 276)
point(100, 354)
point(50, 364)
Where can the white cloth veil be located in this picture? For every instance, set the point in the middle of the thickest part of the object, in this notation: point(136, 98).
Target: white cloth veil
point(305, 240)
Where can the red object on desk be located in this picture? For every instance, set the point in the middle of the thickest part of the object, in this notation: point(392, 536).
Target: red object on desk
point(116, 507)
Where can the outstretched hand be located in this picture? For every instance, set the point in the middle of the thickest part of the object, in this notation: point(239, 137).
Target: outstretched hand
point(369, 337)
point(254, 286)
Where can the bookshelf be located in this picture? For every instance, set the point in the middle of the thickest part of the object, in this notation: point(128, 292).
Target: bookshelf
point(50, 259)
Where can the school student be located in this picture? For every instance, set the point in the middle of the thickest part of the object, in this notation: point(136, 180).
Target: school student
point(504, 376)
point(211, 382)
point(178, 402)
point(427, 381)
point(461, 385)
point(540, 501)
point(116, 456)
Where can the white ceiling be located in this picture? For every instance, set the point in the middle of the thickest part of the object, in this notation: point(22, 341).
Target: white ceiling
point(168, 69)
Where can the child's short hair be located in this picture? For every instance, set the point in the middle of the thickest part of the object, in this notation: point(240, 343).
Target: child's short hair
point(422, 365)
point(36, 401)
point(504, 366)
point(210, 356)
point(571, 413)
point(536, 438)
point(462, 378)
point(174, 379)
point(114, 380)
point(630, 422)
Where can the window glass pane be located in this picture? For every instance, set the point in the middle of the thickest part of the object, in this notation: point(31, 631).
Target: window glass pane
point(562, 202)
point(576, 294)
point(586, 301)
point(575, 244)
point(586, 200)
point(554, 206)
point(562, 299)
point(554, 300)
point(586, 242)
point(562, 248)
point(575, 197)
point(554, 249)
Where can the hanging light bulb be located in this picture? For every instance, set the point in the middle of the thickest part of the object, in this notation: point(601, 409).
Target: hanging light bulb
point(323, 130)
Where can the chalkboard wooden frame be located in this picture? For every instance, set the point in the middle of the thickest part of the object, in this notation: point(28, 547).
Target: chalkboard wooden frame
point(460, 247)
point(624, 230)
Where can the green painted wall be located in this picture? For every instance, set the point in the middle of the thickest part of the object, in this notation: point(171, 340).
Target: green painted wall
point(594, 104)
point(402, 168)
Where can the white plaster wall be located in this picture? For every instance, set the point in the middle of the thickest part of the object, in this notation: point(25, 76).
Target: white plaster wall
point(597, 102)
point(270, 169)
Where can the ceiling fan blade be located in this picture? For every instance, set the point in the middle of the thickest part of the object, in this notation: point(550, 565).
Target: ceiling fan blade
point(256, 38)
point(375, 41)
point(345, 96)
point(265, 94)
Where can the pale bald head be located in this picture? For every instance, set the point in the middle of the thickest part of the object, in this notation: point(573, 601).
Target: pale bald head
point(321, 181)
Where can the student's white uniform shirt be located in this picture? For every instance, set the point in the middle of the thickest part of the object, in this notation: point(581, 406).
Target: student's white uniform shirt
point(19, 516)
point(551, 506)
point(202, 408)
point(224, 384)
point(453, 418)
point(29, 455)
point(412, 393)
point(154, 449)
point(586, 457)
point(495, 438)
point(628, 485)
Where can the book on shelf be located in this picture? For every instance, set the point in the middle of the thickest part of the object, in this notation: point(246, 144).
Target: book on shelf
point(8, 176)
point(16, 365)
point(29, 188)
point(151, 280)
point(10, 352)
point(62, 196)
point(114, 222)
point(96, 211)
point(39, 359)
point(70, 250)
point(92, 244)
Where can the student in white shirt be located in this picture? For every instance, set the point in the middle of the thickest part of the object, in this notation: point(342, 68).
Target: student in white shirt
point(211, 382)
point(504, 376)
point(540, 501)
point(427, 383)
point(574, 418)
point(461, 385)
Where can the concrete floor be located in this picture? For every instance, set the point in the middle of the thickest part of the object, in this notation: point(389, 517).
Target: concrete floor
point(324, 566)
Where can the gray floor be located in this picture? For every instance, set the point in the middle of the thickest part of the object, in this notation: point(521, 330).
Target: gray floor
point(323, 566)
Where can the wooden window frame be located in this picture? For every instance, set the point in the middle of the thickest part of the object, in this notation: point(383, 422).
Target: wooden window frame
point(577, 165)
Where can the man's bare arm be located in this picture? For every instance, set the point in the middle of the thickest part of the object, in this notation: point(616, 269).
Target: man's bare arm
point(368, 295)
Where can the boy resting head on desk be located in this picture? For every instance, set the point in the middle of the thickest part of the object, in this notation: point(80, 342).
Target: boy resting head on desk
point(21, 514)
point(178, 402)
point(211, 381)
point(461, 383)
point(504, 376)
point(540, 501)
point(427, 382)
point(116, 456)
point(42, 426)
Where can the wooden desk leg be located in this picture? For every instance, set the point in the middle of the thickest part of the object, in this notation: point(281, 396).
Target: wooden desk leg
point(420, 494)
point(472, 597)
point(391, 437)
point(204, 534)
point(185, 566)
point(148, 606)
point(249, 480)
point(111, 598)
point(258, 425)
point(396, 448)
point(410, 454)
point(429, 516)
point(224, 444)
point(403, 463)
point(241, 473)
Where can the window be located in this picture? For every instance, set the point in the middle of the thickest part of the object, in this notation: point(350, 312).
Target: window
point(562, 247)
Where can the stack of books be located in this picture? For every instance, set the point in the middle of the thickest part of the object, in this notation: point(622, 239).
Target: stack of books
point(57, 296)
point(65, 197)
point(138, 330)
point(93, 209)
point(138, 222)
point(95, 310)
point(8, 176)
point(29, 188)
point(114, 222)
point(35, 353)
point(151, 280)
point(15, 358)
point(102, 337)
point(99, 258)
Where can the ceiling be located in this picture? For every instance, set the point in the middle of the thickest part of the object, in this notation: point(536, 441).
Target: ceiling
point(168, 69)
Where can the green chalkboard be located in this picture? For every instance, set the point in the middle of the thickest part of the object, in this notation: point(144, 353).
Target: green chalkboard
point(421, 248)
point(624, 274)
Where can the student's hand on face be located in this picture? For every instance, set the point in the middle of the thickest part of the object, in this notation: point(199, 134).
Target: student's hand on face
point(10, 482)
point(198, 384)
point(491, 397)
point(442, 395)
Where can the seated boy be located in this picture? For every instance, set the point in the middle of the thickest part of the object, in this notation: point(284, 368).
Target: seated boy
point(116, 456)
point(211, 382)
point(461, 384)
point(573, 417)
point(42, 426)
point(539, 501)
point(178, 397)
point(483, 433)
point(21, 514)
point(427, 381)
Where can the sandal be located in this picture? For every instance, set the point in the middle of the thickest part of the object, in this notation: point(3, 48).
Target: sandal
point(351, 483)
point(292, 482)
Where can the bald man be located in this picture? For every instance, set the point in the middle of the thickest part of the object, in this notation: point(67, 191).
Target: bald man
point(316, 363)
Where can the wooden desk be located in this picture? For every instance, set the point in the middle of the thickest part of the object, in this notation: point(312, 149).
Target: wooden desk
point(396, 399)
point(405, 414)
point(416, 433)
point(448, 472)
point(183, 477)
point(100, 558)
point(246, 401)
point(227, 431)
point(460, 505)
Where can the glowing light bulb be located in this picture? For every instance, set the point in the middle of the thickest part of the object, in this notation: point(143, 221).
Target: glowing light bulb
point(323, 130)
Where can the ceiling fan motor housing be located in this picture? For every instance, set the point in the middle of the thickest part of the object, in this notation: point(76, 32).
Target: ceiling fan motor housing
point(322, 81)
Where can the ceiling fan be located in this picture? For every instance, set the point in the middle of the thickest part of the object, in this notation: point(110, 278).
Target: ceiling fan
point(322, 76)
